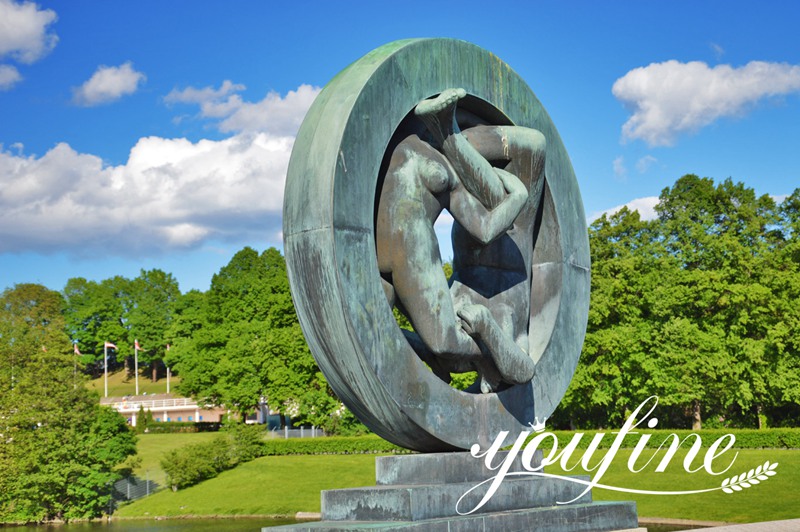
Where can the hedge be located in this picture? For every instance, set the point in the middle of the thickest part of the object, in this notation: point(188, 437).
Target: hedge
point(173, 427)
point(331, 445)
point(745, 439)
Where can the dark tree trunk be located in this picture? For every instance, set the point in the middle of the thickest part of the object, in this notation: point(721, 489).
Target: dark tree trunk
point(154, 365)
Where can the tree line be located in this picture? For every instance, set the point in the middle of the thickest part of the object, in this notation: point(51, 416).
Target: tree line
point(699, 307)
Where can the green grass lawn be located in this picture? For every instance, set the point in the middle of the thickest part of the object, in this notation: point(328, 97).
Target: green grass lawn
point(285, 485)
point(273, 485)
point(152, 447)
point(773, 499)
point(119, 384)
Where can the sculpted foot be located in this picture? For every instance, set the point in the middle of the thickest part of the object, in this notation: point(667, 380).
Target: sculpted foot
point(514, 365)
point(439, 113)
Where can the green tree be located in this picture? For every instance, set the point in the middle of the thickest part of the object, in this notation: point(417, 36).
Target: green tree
point(242, 342)
point(153, 298)
point(723, 237)
point(697, 307)
point(96, 313)
point(59, 449)
point(611, 377)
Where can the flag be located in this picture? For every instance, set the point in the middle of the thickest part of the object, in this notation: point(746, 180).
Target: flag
point(75, 349)
point(137, 346)
point(109, 344)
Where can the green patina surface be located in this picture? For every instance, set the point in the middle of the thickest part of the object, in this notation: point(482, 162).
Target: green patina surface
point(330, 248)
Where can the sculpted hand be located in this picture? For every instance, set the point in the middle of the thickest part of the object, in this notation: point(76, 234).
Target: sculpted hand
point(472, 318)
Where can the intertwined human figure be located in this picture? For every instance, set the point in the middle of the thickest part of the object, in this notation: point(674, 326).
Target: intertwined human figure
point(481, 319)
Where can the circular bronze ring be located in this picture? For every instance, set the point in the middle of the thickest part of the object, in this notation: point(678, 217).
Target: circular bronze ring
point(329, 242)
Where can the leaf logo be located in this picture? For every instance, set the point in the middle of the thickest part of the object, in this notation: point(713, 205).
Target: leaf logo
point(749, 479)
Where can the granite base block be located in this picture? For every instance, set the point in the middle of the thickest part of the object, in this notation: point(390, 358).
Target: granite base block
point(594, 517)
point(431, 501)
point(441, 468)
point(420, 493)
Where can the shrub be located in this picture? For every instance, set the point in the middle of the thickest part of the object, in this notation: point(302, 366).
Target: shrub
point(194, 463)
point(246, 442)
point(201, 461)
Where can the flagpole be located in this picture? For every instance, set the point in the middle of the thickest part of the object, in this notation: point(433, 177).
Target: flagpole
point(105, 366)
point(136, 363)
point(167, 372)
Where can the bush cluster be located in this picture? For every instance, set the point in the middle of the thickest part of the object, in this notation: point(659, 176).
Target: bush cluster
point(200, 461)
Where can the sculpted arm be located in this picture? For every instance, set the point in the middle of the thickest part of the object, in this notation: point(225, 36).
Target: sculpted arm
point(485, 224)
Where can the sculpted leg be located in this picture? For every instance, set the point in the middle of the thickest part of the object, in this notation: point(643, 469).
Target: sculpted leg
point(523, 147)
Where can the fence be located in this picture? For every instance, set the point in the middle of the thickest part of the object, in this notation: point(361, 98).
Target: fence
point(130, 488)
point(302, 432)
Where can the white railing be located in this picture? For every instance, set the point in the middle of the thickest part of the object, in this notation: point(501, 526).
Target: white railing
point(154, 404)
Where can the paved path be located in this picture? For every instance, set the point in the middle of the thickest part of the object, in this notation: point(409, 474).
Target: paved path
point(790, 525)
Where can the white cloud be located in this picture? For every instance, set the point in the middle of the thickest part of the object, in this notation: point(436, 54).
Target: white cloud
point(671, 98)
point(214, 103)
point(24, 32)
point(620, 172)
point(171, 193)
point(108, 84)
point(644, 164)
point(274, 114)
point(645, 206)
point(9, 76)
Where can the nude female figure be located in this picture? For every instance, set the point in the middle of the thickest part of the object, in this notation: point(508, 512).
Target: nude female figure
point(485, 201)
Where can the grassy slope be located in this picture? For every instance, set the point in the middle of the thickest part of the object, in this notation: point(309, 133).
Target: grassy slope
point(273, 485)
point(120, 385)
point(288, 484)
point(152, 447)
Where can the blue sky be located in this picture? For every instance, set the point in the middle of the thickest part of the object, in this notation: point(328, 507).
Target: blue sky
point(156, 134)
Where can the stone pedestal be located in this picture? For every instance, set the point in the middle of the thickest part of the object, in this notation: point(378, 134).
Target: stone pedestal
point(420, 493)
